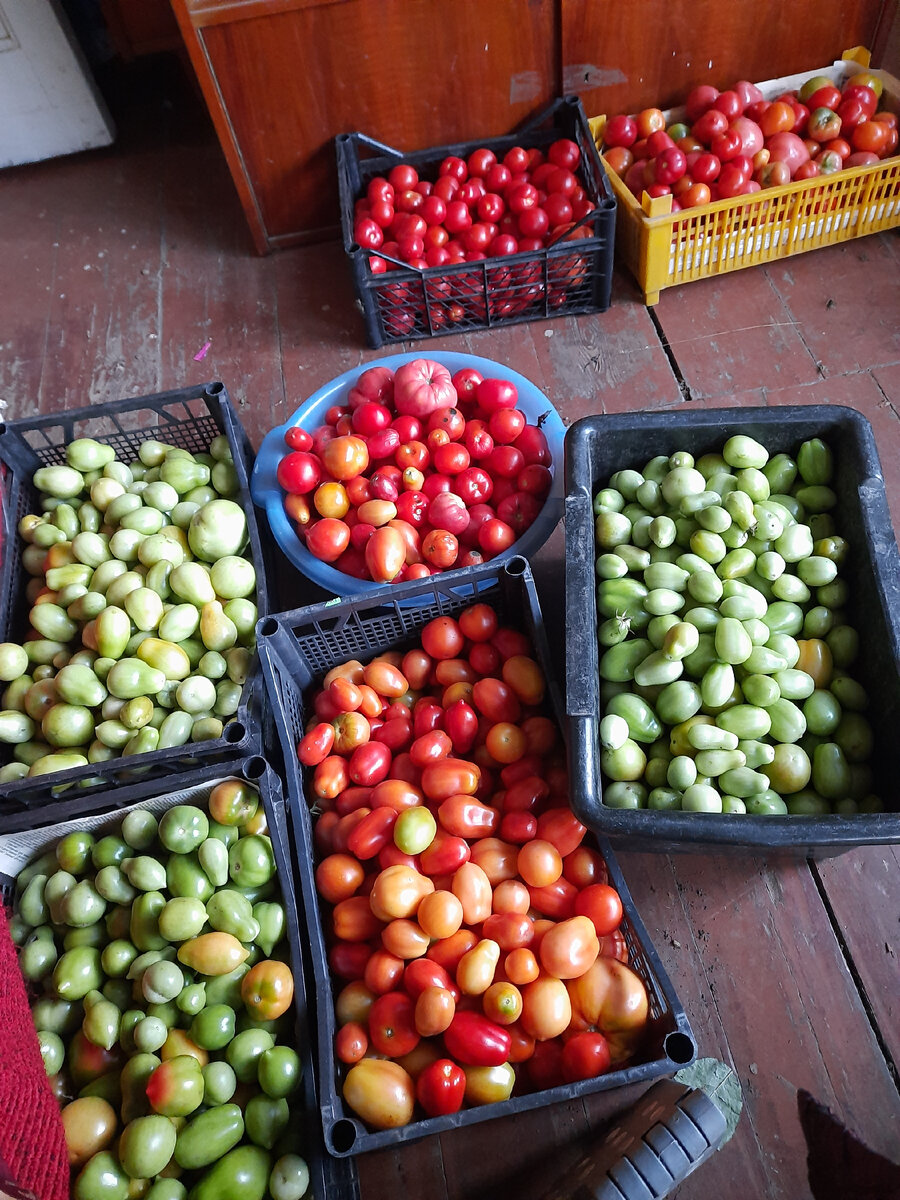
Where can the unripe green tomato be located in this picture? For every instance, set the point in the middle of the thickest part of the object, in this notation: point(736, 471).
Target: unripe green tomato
point(625, 794)
point(414, 830)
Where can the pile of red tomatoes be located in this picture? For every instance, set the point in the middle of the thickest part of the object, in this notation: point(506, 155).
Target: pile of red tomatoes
point(474, 937)
point(735, 142)
point(477, 208)
point(418, 472)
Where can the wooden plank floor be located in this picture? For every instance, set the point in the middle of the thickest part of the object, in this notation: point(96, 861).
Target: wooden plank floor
point(120, 266)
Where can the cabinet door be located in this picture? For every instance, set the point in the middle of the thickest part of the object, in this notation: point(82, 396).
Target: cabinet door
point(283, 77)
point(623, 57)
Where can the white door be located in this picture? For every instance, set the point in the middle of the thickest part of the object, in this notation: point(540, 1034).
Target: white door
point(48, 102)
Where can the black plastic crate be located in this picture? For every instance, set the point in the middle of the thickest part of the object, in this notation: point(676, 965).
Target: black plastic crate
point(296, 649)
point(596, 447)
point(189, 418)
point(564, 279)
point(330, 1178)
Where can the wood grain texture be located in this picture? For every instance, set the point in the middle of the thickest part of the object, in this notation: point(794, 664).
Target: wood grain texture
point(282, 85)
point(623, 57)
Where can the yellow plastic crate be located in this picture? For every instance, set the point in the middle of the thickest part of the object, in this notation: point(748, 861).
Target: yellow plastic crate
point(662, 248)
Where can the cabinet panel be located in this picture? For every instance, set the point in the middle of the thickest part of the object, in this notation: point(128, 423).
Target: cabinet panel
point(628, 56)
point(281, 80)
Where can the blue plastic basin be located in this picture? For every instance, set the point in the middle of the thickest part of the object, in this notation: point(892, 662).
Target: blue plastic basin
point(267, 493)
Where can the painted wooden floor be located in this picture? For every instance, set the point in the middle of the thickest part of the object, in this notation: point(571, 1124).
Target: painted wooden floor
point(119, 268)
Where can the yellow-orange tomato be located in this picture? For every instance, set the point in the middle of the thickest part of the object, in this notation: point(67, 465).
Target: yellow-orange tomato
point(381, 1092)
point(297, 508)
point(435, 1009)
point(425, 1053)
point(405, 938)
point(472, 888)
point(267, 990)
point(511, 896)
point(352, 669)
point(440, 913)
point(539, 863)
point(345, 457)
point(376, 512)
point(525, 678)
point(386, 679)
point(258, 823)
point(496, 858)
point(461, 690)
point(353, 1003)
point(178, 1043)
point(506, 743)
point(816, 660)
point(398, 892)
point(546, 1008)
point(569, 948)
point(475, 970)
point(648, 121)
point(502, 1003)
point(395, 793)
point(612, 999)
point(338, 877)
point(331, 500)
point(779, 117)
point(521, 966)
point(89, 1125)
point(351, 729)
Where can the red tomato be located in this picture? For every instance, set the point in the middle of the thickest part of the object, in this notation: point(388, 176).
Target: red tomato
point(440, 548)
point(475, 1041)
point(338, 876)
point(299, 472)
point(585, 1056)
point(373, 832)
point(442, 638)
point(383, 972)
point(392, 1027)
point(348, 959)
point(441, 1088)
point(351, 1042)
point(445, 855)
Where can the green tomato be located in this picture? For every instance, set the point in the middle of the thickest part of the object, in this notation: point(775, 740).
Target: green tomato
point(244, 1051)
point(213, 1027)
point(251, 861)
point(101, 1178)
point(266, 1118)
point(147, 1145)
point(414, 830)
point(219, 1082)
point(289, 1179)
point(183, 828)
point(279, 1071)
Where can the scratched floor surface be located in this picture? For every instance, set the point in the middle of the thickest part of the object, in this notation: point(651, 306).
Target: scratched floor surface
point(130, 271)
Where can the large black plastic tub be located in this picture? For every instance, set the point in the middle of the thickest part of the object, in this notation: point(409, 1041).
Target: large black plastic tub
point(330, 1178)
point(189, 418)
point(566, 278)
point(596, 447)
point(296, 649)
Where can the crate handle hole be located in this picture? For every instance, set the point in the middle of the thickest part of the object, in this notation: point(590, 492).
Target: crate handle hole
point(255, 767)
point(679, 1048)
point(343, 1136)
point(268, 627)
point(235, 732)
point(516, 565)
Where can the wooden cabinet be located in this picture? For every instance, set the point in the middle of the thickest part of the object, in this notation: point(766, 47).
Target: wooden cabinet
point(283, 77)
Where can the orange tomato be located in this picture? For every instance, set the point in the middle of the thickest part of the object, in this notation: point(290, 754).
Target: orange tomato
point(457, 691)
point(440, 914)
point(521, 966)
point(618, 159)
point(872, 136)
point(345, 457)
point(649, 120)
point(267, 990)
point(351, 729)
point(330, 777)
point(351, 669)
point(297, 508)
point(539, 863)
point(450, 777)
point(353, 920)
point(353, 1003)
point(522, 1044)
point(569, 948)
point(383, 972)
point(351, 1042)
point(546, 1008)
point(525, 677)
point(472, 888)
point(416, 666)
point(541, 735)
point(498, 859)
point(612, 999)
point(454, 670)
point(779, 117)
point(695, 196)
point(395, 793)
point(509, 930)
point(381, 1092)
point(405, 938)
point(502, 1003)
point(435, 1009)
point(331, 500)
point(816, 660)
point(386, 679)
point(585, 866)
point(345, 695)
point(338, 877)
point(511, 896)
point(506, 743)
point(449, 950)
point(397, 892)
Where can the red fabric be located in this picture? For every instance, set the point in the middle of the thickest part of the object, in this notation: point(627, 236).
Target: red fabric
point(32, 1144)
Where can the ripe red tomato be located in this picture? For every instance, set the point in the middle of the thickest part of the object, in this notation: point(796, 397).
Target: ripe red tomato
point(441, 1088)
point(328, 538)
point(480, 161)
point(392, 1029)
point(440, 548)
point(299, 472)
point(585, 1055)
point(495, 537)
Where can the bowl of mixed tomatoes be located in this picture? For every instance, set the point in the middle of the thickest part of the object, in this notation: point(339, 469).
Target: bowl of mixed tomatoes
point(410, 467)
